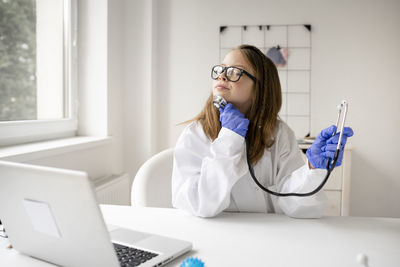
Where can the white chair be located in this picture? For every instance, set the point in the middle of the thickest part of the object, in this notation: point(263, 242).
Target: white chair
point(152, 184)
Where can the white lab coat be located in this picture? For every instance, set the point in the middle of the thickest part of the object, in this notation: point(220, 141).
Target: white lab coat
point(211, 177)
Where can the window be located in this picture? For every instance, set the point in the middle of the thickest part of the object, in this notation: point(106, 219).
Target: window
point(37, 70)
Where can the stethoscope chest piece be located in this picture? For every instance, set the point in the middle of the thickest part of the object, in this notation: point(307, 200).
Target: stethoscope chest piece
point(219, 101)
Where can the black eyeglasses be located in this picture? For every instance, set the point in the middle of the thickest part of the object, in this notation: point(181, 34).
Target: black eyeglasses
point(233, 74)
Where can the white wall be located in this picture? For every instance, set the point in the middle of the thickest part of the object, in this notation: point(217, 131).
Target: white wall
point(136, 46)
point(355, 56)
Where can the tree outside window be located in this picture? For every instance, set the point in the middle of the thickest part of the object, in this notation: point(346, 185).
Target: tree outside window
point(18, 60)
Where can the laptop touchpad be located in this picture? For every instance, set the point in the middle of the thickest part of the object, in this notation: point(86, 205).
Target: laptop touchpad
point(127, 236)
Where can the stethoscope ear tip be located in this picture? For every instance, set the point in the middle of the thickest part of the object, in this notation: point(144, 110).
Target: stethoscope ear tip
point(342, 105)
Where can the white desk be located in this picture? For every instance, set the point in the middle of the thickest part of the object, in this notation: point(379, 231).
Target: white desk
point(255, 239)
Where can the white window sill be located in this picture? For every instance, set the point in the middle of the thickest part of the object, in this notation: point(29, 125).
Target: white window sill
point(32, 151)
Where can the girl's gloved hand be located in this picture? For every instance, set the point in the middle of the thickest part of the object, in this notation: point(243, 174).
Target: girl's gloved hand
point(231, 118)
point(324, 147)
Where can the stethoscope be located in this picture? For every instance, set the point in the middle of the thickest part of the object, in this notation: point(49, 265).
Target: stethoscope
point(220, 102)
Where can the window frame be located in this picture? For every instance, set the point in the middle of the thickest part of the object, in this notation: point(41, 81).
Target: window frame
point(26, 131)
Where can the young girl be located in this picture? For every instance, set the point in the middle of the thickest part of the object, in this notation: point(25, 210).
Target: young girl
point(210, 172)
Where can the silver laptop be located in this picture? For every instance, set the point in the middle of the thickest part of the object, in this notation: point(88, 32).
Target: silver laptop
point(52, 214)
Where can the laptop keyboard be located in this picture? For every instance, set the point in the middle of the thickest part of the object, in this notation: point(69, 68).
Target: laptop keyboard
point(128, 256)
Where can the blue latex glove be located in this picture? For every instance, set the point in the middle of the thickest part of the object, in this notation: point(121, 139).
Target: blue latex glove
point(231, 118)
point(324, 147)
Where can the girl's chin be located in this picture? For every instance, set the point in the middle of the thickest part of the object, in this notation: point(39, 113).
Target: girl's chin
point(223, 93)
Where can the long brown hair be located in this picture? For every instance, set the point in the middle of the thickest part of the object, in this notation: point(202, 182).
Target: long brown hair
point(265, 104)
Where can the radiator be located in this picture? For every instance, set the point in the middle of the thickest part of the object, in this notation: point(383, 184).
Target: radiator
point(115, 190)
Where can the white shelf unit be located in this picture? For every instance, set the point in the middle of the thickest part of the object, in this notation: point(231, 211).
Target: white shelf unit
point(337, 188)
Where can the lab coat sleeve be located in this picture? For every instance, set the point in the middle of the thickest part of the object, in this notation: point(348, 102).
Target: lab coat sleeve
point(295, 176)
point(204, 172)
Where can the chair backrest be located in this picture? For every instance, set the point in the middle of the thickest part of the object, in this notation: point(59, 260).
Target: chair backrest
point(152, 184)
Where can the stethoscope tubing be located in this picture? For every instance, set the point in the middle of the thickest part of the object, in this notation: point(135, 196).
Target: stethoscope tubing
point(220, 102)
point(329, 168)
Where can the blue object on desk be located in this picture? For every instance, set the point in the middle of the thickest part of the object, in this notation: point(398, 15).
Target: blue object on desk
point(192, 262)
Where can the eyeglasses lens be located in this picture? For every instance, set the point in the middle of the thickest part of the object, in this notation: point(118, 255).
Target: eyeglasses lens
point(217, 70)
point(233, 74)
